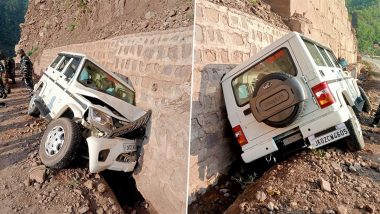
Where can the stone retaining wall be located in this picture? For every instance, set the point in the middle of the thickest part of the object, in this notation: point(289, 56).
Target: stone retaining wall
point(223, 37)
point(159, 66)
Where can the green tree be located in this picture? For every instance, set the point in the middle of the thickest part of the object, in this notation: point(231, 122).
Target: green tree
point(365, 16)
point(12, 14)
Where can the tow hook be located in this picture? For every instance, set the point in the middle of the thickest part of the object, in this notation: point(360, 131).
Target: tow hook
point(270, 159)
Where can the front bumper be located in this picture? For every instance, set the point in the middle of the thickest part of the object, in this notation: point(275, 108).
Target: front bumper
point(117, 154)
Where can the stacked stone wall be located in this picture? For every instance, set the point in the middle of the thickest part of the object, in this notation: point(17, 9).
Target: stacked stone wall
point(224, 37)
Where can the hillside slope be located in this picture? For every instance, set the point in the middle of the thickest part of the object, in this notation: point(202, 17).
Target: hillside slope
point(56, 23)
point(366, 19)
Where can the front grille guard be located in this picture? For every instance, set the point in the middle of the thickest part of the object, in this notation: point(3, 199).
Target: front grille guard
point(132, 126)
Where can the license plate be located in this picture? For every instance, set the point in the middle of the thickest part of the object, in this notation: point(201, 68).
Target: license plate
point(129, 147)
point(340, 132)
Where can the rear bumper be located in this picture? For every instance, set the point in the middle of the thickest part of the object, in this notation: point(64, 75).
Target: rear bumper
point(116, 147)
point(307, 129)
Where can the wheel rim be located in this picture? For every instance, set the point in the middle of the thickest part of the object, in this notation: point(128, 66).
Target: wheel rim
point(55, 141)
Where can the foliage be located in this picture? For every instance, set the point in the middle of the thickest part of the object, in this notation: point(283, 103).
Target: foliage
point(71, 27)
point(12, 14)
point(366, 19)
point(32, 51)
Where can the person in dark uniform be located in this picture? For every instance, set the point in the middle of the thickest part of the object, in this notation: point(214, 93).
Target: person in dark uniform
point(376, 120)
point(3, 94)
point(10, 69)
point(26, 68)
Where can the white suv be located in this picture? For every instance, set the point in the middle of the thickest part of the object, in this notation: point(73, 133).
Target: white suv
point(292, 94)
point(87, 104)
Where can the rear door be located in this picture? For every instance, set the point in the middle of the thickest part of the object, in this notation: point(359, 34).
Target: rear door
point(243, 85)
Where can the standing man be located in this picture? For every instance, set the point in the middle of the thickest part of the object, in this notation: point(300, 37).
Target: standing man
point(376, 118)
point(26, 68)
point(3, 94)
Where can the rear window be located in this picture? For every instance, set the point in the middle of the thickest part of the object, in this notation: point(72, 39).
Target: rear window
point(56, 61)
point(318, 59)
point(333, 58)
point(324, 55)
point(243, 85)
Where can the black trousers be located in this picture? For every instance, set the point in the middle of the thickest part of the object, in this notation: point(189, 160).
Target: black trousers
point(377, 116)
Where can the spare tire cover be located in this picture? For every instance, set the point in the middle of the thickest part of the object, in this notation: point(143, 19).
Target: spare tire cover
point(277, 100)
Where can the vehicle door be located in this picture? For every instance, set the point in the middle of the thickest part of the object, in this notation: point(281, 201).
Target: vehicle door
point(65, 76)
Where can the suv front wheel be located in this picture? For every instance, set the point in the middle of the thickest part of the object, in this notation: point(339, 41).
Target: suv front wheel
point(60, 143)
point(355, 141)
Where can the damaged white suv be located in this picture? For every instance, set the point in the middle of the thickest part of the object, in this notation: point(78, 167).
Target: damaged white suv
point(292, 94)
point(88, 107)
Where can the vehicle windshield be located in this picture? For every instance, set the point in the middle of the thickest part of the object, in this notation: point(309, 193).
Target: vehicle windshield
point(94, 77)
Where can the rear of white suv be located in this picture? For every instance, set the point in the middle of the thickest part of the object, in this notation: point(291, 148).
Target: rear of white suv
point(292, 94)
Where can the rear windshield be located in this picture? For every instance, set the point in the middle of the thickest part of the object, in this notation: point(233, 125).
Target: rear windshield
point(243, 85)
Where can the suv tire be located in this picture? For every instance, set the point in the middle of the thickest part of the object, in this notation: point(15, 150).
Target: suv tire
point(32, 108)
point(286, 116)
point(367, 103)
point(60, 143)
point(355, 141)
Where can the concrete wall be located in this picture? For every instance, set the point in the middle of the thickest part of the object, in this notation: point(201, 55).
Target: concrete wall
point(326, 21)
point(159, 65)
point(223, 37)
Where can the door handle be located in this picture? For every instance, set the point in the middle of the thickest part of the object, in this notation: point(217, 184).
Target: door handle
point(247, 111)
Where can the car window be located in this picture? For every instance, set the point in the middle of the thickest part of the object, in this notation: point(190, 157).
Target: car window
point(56, 61)
point(243, 85)
point(94, 77)
point(318, 59)
point(325, 57)
point(63, 64)
point(333, 58)
point(70, 71)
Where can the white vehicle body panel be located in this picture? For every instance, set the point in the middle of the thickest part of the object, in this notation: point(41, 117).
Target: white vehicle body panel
point(60, 93)
point(312, 120)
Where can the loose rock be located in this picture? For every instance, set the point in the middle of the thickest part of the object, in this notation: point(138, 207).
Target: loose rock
point(325, 185)
point(38, 174)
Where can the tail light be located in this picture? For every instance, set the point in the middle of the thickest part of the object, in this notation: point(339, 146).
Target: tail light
point(323, 94)
point(239, 135)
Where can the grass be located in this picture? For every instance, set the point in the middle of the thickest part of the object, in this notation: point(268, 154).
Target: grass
point(32, 51)
point(319, 152)
point(74, 182)
point(191, 16)
point(244, 181)
point(82, 3)
point(71, 27)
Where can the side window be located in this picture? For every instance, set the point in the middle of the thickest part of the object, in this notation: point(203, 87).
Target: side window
point(243, 85)
point(71, 69)
point(324, 55)
point(315, 53)
point(63, 63)
point(56, 61)
point(333, 58)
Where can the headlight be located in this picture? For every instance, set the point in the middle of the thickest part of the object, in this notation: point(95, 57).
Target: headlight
point(101, 118)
